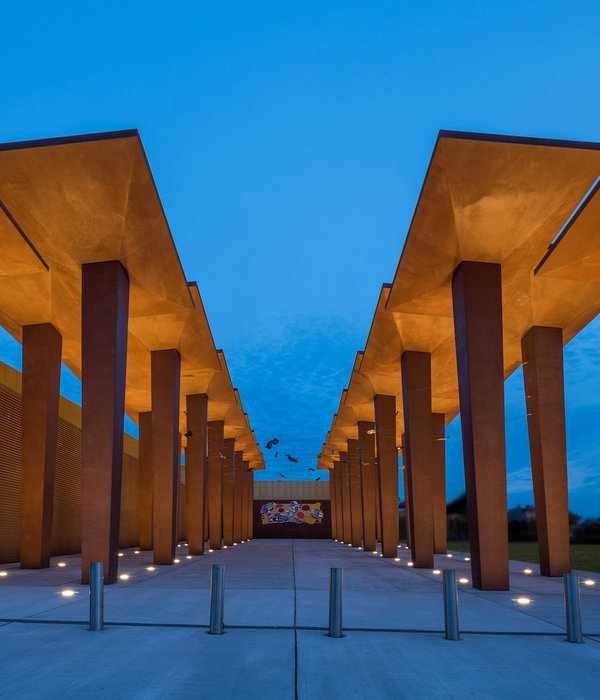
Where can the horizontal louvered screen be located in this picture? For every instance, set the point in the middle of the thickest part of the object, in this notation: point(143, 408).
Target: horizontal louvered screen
point(66, 525)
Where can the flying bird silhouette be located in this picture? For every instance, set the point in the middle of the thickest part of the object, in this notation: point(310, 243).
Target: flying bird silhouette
point(310, 469)
point(292, 459)
point(318, 478)
point(276, 454)
point(272, 442)
point(283, 476)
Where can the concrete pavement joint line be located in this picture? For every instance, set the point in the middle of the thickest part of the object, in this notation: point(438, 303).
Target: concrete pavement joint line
point(302, 628)
point(295, 629)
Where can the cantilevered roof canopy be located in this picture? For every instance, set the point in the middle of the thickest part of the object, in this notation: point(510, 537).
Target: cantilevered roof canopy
point(496, 199)
point(70, 201)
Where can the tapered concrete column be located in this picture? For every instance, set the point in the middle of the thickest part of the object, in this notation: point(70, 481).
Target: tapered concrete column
point(477, 301)
point(214, 482)
point(251, 504)
point(418, 453)
point(42, 346)
point(245, 474)
point(195, 471)
point(228, 488)
point(440, 539)
point(355, 494)
point(368, 469)
point(387, 452)
point(145, 488)
point(237, 495)
point(104, 318)
point(166, 372)
point(545, 397)
point(346, 509)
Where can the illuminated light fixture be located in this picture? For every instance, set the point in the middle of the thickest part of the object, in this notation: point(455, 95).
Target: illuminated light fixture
point(360, 548)
point(224, 546)
point(3, 573)
point(176, 561)
point(150, 568)
point(235, 544)
point(527, 571)
point(67, 593)
point(397, 559)
point(124, 577)
point(375, 552)
point(179, 545)
point(587, 582)
point(522, 600)
point(449, 556)
point(436, 571)
point(463, 580)
point(405, 546)
point(137, 551)
point(410, 563)
point(189, 556)
point(467, 558)
point(121, 554)
point(61, 564)
point(211, 550)
point(349, 545)
point(381, 555)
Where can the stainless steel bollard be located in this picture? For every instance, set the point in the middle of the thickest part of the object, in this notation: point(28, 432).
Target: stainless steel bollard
point(451, 606)
point(96, 596)
point(217, 588)
point(573, 609)
point(335, 602)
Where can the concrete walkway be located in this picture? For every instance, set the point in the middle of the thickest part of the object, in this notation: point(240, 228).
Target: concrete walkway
point(276, 613)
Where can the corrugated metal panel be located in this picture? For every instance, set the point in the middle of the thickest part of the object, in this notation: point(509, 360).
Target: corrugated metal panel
point(291, 490)
point(66, 513)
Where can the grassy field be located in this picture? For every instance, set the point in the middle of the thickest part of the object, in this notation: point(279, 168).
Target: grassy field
point(583, 556)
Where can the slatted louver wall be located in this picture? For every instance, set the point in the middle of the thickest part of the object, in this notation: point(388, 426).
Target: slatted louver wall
point(10, 474)
point(66, 513)
point(66, 526)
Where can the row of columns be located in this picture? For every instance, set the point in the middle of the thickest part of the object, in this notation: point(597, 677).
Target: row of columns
point(218, 479)
point(359, 476)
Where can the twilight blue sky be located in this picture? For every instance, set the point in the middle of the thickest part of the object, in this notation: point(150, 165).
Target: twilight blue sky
point(289, 141)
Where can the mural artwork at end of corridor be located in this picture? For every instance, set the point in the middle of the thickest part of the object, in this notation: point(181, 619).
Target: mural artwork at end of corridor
point(302, 513)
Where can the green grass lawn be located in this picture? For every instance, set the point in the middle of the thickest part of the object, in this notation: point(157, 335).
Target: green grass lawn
point(583, 556)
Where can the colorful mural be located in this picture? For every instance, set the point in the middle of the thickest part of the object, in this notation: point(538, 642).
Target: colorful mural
point(293, 512)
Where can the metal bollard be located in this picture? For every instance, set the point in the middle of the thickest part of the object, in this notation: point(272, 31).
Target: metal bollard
point(217, 587)
point(335, 603)
point(573, 609)
point(451, 606)
point(96, 596)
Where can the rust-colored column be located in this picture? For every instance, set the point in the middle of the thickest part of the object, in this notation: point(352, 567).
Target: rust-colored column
point(195, 471)
point(378, 506)
point(228, 488)
point(335, 503)
point(245, 497)
point(440, 540)
point(356, 506)
point(542, 349)
point(406, 505)
point(251, 504)
point(340, 501)
point(237, 495)
point(387, 452)
point(214, 482)
point(165, 378)
point(368, 469)
point(145, 488)
point(42, 346)
point(104, 318)
point(418, 453)
point(332, 504)
point(346, 510)
point(477, 301)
